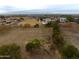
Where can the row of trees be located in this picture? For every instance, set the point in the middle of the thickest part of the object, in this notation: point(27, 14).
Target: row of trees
point(71, 19)
point(67, 51)
point(57, 38)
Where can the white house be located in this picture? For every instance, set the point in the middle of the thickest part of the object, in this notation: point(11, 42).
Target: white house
point(62, 19)
point(46, 20)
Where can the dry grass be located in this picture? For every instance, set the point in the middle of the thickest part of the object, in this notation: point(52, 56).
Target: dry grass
point(66, 25)
point(23, 36)
point(4, 29)
point(78, 27)
point(31, 22)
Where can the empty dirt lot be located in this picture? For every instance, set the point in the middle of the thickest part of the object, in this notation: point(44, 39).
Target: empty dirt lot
point(22, 36)
point(72, 37)
point(71, 33)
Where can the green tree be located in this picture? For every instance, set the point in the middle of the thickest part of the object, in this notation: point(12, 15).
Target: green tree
point(57, 37)
point(22, 18)
point(70, 52)
point(70, 18)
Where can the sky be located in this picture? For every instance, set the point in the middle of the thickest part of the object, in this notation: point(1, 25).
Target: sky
point(18, 5)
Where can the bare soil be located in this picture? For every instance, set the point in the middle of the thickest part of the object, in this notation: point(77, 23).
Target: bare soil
point(22, 36)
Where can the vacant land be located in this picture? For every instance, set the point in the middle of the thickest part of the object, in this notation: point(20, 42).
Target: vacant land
point(71, 34)
point(22, 36)
point(72, 37)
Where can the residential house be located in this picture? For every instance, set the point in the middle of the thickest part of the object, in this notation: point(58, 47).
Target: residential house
point(76, 20)
point(62, 19)
point(47, 20)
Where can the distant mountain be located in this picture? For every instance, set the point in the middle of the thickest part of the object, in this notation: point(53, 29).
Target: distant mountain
point(57, 9)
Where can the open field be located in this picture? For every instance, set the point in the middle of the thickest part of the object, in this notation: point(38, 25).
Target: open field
point(31, 22)
point(71, 34)
point(22, 36)
point(72, 37)
point(25, 35)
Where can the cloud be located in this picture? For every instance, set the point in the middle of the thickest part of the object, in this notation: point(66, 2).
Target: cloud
point(4, 9)
point(18, 5)
point(35, 4)
point(7, 8)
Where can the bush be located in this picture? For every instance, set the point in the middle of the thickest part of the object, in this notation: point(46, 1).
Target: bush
point(12, 50)
point(70, 18)
point(49, 24)
point(29, 47)
point(70, 52)
point(58, 41)
point(33, 45)
point(56, 27)
point(36, 26)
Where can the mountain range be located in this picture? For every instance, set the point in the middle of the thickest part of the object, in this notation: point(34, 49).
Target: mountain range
point(55, 9)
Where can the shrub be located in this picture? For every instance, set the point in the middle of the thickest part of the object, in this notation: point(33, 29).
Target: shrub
point(33, 45)
point(70, 18)
point(36, 26)
point(58, 41)
point(49, 24)
point(70, 52)
point(29, 46)
point(22, 18)
point(12, 50)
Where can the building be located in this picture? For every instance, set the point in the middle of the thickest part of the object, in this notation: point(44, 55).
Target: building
point(62, 19)
point(47, 20)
